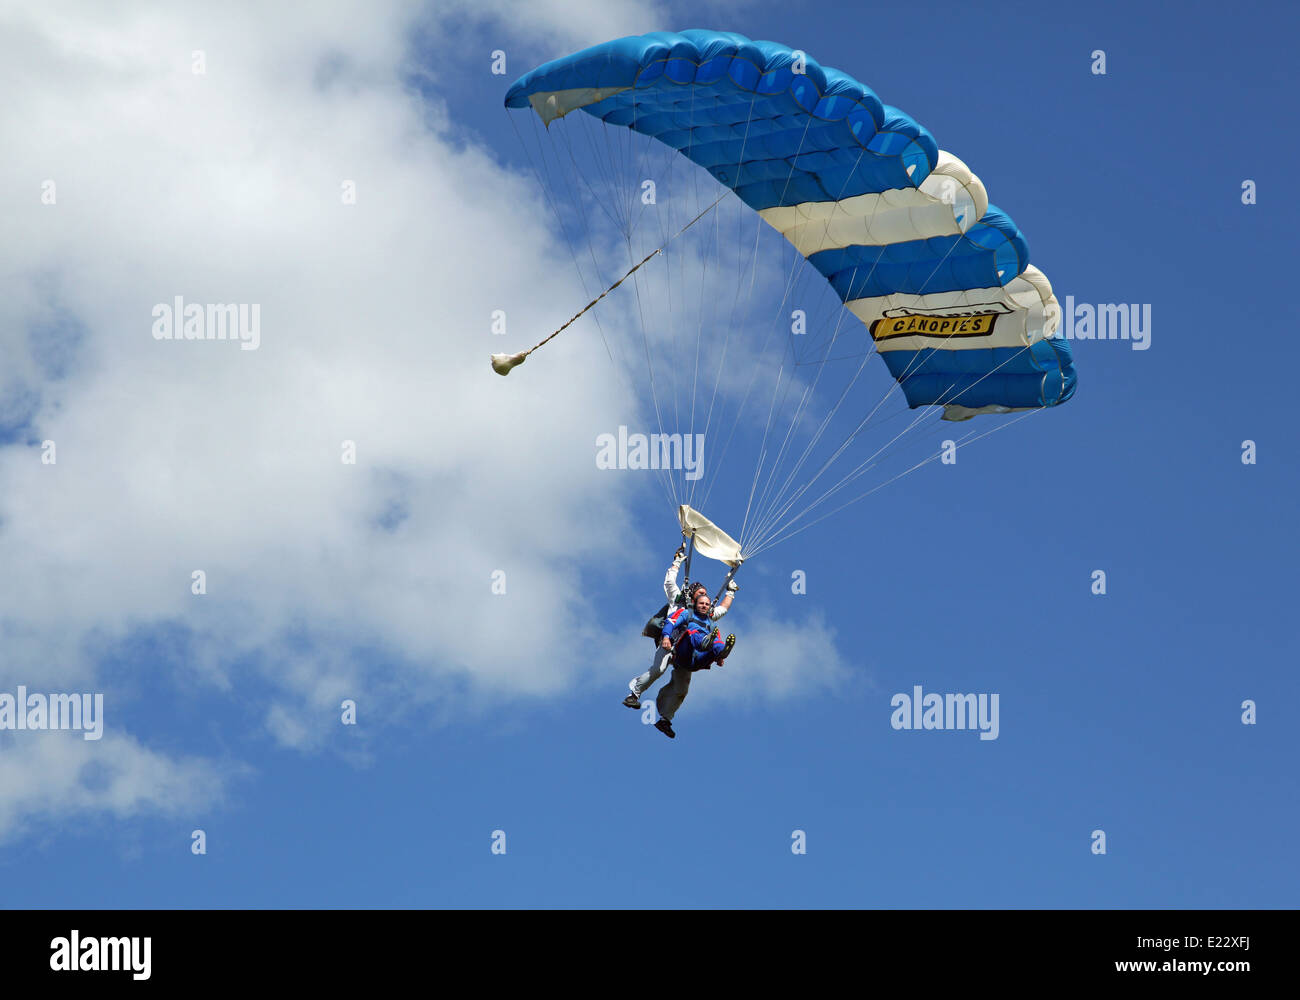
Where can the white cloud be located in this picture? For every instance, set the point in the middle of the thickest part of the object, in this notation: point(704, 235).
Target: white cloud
point(560, 25)
point(176, 457)
point(51, 775)
point(777, 661)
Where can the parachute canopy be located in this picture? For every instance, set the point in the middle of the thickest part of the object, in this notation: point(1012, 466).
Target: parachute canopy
point(902, 230)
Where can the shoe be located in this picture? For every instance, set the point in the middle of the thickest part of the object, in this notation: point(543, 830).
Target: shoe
point(632, 701)
point(666, 727)
point(731, 642)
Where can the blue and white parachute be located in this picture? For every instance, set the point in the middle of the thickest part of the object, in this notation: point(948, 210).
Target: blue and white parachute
point(903, 231)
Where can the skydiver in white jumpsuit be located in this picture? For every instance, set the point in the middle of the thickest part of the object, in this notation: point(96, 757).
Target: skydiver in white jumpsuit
point(662, 657)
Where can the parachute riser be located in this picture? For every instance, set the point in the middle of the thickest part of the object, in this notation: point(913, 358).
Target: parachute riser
point(690, 551)
point(730, 576)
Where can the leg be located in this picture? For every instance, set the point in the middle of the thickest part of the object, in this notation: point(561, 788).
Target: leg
point(640, 685)
point(711, 651)
point(672, 694)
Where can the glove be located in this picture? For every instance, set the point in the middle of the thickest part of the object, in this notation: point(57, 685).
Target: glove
point(681, 551)
point(732, 586)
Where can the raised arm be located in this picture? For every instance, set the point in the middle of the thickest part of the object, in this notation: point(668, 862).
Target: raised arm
point(721, 607)
point(670, 581)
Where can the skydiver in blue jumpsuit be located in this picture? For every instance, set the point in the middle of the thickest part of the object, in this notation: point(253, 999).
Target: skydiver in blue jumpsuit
point(677, 597)
point(690, 633)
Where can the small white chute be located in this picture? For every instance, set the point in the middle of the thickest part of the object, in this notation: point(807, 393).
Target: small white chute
point(710, 540)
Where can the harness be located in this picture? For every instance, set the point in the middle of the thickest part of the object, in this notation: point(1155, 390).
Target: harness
point(654, 626)
point(685, 648)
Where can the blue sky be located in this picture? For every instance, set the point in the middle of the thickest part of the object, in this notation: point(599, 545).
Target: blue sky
point(1119, 712)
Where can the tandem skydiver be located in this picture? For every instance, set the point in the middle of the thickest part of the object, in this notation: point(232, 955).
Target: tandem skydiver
point(698, 645)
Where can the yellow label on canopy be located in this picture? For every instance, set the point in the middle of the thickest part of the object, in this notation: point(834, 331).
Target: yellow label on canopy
point(978, 325)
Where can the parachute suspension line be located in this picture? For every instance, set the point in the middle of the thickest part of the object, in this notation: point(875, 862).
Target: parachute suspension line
point(775, 523)
point(645, 155)
point(574, 176)
point(799, 412)
point(778, 537)
point(699, 333)
point(678, 347)
point(731, 573)
point(776, 462)
point(753, 378)
point(778, 511)
point(546, 190)
point(654, 391)
point(502, 363)
point(639, 165)
point(827, 361)
point(665, 474)
point(792, 277)
point(817, 437)
point(712, 247)
point(670, 303)
point(795, 272)
point(753, 270)
point(919, 417)
point(788, 535)
point(690, 551)
point(566, 140)
point(795, 275)
point(771, 510)
point(580, 179)
point(868, 463)
point(546, 140)
point(764, 508)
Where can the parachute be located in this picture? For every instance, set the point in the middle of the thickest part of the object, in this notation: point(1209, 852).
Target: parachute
point(902, 233)
point(710, 540)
